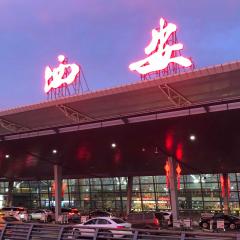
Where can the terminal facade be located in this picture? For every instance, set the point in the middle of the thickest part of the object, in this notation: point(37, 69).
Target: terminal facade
point(108, 149)
point(198, 193)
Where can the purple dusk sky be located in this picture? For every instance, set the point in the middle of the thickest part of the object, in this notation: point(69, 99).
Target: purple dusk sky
point(104, 36)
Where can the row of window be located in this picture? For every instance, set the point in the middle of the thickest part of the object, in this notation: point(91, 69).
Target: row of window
point(198, 192)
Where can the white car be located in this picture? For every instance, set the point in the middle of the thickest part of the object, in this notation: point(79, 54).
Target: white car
point(106, 225)
point(17, 212)
point(42, 215)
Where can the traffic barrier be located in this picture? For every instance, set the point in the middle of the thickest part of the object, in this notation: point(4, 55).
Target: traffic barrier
point(187, 223)
point(26, 217)
point(220, 225)
point(43, 217)
point(34, 231)
point(62, 219)
point(176, 224)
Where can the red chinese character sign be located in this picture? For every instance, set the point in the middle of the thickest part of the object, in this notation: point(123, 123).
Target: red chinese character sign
point(163, 52)
point(64, 79)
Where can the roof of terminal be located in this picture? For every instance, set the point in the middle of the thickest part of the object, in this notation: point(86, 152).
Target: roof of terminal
point(114, 105)
point(212, 90)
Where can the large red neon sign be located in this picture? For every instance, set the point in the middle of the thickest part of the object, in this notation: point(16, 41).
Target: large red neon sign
point(159, 52)
point(63, 74)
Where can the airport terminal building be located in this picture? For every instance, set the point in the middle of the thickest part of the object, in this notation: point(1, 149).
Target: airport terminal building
point(109, 148)
point(149, 193)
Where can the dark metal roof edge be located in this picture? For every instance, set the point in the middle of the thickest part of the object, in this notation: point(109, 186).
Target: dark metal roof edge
point(200, 108)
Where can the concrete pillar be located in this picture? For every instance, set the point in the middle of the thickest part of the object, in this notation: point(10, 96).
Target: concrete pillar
point(173, 188)
point(129, 195)
point(10, 193)
point(58, 190)
point(225, 197)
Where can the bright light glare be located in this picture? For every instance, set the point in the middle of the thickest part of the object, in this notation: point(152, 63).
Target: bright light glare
point(113, 145)
point(7, 156)
point(61, 58)
point(196, 180)
point(54, 151)
point(192, 137)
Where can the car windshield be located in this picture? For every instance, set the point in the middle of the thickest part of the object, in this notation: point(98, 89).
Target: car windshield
point(6, 209)
point(100, 213)
point(64, 210)
point(234, 217)
point(118, 220)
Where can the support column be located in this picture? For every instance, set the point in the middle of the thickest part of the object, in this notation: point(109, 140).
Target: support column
point(129, 195)
point(10, 193)
point(225, 197)
point(173, 188)
point(58, 189)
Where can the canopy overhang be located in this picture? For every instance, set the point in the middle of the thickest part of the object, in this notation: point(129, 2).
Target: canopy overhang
point(138, 117)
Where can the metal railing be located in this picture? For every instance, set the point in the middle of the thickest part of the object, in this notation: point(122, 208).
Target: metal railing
point(32, 231)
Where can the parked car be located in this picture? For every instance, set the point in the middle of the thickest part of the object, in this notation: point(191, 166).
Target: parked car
point(147, 220)
point(106, 225)
point(73, 214)
point(42, 215)
point(99, 213)
point(6, 219)
point(13, 211)
point(164, 216)
point(230, 222)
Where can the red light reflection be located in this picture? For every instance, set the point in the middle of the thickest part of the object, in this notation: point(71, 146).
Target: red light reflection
point(83, 153)
point(30, 161)
point(179, 151)
point(169, 141)
point(117, 156)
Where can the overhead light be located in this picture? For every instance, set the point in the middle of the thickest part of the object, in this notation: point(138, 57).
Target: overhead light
point(54, 151)
point(113, 145)
point(196, 180)
point(192, 137)
point(7, 156)
point(165, 189)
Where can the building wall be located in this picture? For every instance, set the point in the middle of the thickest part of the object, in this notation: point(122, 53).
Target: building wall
point(197, 192)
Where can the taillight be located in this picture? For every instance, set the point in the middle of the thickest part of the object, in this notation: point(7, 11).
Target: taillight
point(120, 227)
point(155, 221)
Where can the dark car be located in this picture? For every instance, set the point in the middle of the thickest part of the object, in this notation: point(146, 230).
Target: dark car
point(144, 220)
point(230, 222)
point(99, 213)
point(73, 214)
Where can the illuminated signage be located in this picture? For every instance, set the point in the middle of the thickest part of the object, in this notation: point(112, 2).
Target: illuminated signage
point(167, 170)
point(160, 52)
point(178, 170)
point(64, 74)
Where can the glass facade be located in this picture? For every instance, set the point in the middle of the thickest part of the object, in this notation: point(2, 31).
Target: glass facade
point(197, 192)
